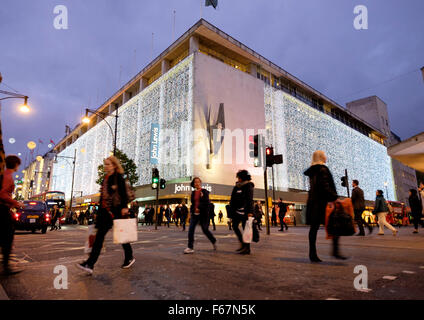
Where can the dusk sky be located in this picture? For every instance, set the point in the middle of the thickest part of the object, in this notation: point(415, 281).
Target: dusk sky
point(65, 71)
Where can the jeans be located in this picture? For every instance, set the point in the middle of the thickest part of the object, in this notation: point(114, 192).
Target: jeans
point(6, 234)
point(282, 223)
point(235, 222)
point(213, 222)
point(383, 222)
point(102, 229)
point(204, 223)
point(416, 220)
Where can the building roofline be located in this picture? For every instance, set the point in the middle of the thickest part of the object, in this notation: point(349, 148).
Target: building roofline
point(184, 37)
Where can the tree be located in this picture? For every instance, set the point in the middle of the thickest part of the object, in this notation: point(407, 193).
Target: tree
point(129, 166)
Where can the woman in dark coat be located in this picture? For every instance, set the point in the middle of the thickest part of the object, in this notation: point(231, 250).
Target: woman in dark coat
point(199, 213)
point(416, 208)
point(322, 190)
point(241, 206)
point(113, 205)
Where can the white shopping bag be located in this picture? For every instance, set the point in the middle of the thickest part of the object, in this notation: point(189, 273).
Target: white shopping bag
point(92, 231)
point(125, 230)
point(248, 231)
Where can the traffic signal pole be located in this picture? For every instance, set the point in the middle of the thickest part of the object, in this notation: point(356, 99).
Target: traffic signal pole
point(156, 208)
point(266, 199)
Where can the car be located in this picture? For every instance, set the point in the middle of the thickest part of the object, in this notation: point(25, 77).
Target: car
point(34, 216)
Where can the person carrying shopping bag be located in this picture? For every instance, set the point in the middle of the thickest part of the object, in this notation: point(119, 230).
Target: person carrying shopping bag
point(199, 213)
point(380, 210)
point(113, 205)
point(241, 206)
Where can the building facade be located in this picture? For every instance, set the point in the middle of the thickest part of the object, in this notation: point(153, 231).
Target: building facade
point(374, 110)
point(38, 176)
point(191, 111)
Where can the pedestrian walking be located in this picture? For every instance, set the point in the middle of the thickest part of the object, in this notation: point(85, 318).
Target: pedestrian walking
point(421, 196)
point(258, 214)
point(282, 210)
point(358, 202)
point(416, 208)
point(274, 216)
point(199, 213)
point(220, 216)
point(380, 210)
point(177, 214)
point(229, 215)
point(113, 205)
point(212, 215)
point(321, 191)
point(168, 214)
point(184, 215)
point(241, 206)
point(161, 214)
point(7, 230)
point(54, 213)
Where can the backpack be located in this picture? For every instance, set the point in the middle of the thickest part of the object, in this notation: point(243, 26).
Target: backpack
point(340, 222)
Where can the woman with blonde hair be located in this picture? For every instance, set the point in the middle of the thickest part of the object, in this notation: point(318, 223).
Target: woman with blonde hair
point(322, 190)
point(113, 205)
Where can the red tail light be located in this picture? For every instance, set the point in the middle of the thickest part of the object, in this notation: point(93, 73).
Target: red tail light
point(17, 216)
point(47, 217)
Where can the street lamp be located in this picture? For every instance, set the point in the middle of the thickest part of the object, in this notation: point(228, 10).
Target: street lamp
point(11, 95)
point(102, 115)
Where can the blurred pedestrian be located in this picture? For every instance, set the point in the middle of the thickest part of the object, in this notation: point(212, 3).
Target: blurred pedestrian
point(282, 210)
point(6, 204)
point(177, 214)
point(55, 214)
point(199, 213)
point(184, 215)
point(358, 202)
point(229, 215)
point(321, 191)
point(258, 214)
point(168, 214)
point(220, 216)
point(212, 215)
point(274, 216)
point(380, 210)
point(241, 206)
point(113, 188)
point(161, 214)
point(416, 208)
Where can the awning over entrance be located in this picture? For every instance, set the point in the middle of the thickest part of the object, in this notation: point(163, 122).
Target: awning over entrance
point(410, 152)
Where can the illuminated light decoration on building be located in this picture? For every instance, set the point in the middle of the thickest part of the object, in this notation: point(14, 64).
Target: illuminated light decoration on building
point(296, 130)
point(168, 102)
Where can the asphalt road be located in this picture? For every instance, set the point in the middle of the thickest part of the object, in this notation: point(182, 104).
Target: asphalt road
point(278, 267)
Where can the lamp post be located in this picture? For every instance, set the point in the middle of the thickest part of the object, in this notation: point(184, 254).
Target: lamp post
point(103, 115)
point(73, 172)
point(24, 108)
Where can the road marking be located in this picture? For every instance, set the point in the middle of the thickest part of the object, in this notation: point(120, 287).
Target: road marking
point(364, 290)
point(408, 272)
point(421, 267)
point(389, 278)
point(332, 299)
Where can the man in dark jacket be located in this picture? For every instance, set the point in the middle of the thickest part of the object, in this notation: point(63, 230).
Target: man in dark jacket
point(212, 215)
point(184, 215)
point(416, 208)
point(177, 214)
point(273, 216)
point(259, 214)
point(358, 202)
point(282, 213)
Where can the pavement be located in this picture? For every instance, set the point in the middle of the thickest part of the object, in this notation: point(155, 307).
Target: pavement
point(277, 269)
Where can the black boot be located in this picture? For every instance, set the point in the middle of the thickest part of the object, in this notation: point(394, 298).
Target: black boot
point(246, 249)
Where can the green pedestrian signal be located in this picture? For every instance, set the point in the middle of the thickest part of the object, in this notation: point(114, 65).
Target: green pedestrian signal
point(162, 183)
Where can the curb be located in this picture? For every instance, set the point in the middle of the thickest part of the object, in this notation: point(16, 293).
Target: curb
point(3, 295)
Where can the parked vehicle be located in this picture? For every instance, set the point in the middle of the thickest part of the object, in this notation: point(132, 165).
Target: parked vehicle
point(35, 216)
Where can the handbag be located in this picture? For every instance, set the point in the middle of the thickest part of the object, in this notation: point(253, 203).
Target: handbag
point(125, 230)
point(340, 222)
point(248, 231)
point(92, 231)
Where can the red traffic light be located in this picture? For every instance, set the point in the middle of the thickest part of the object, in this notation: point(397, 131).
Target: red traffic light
point(269, 151)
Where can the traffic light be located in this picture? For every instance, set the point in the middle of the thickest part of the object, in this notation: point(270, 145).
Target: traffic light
point(344, 181)
point(255, 148)
point(269, 156)
point(155, 178)
point(162, 183)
